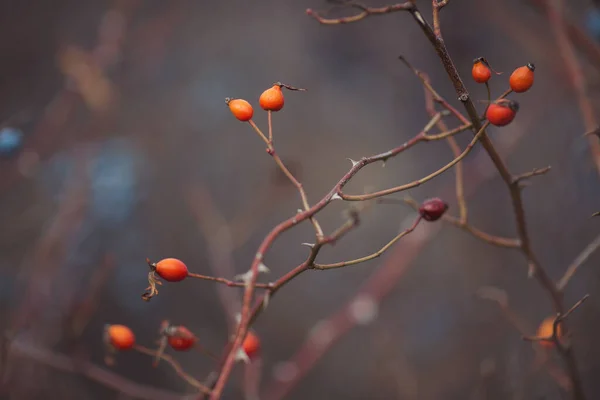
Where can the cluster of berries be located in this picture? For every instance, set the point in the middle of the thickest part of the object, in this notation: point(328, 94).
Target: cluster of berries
point(502, 111)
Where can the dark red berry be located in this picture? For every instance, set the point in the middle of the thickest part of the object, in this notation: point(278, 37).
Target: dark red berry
point(433, 209)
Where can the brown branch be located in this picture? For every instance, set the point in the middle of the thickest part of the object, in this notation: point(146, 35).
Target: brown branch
point(479, 234)
point(435, 38)
point(271, 151)
point(104, 377)
point(578, 262)
point(535, 172)
point(501, 298)
point(227, 282)
point(176, 366)
point(377, 254)
point(513, 186)
point(365, 12)
point(555, 331)
point(554, 11)
point(418, 182)
point(379, 285)
point(246, 317)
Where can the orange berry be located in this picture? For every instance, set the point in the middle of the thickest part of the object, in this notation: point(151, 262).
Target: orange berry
point(502, 112)
point(240, 109)
point(545, 331)
point(120, 337)
point(521, 79)
point(181, 339)
point(481, 72)
point(272, 99)
point(171, 269)
point(251, 344)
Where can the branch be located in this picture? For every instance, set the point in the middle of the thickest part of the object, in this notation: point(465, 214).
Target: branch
point(578, 262)
point(284, 226)
point(486, 237)
point(557, 321)
point(176, 366)
point(381, 282)
point(418, 182)
point(227, 281)
point(554, 10)
point(104, 377)
point(501, 298)
point(271, 151)
point(370, 256)
point(435, 38)
point(365, 12)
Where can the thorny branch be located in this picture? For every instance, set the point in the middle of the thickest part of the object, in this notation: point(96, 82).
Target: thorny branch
point(336, 193)
point(513, 183)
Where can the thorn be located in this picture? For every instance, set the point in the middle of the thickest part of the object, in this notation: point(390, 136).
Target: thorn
point(246, 276)
point(242, 277)
point(353, 162)
point(266, 300)
point(263, 268)
point(311, 245)
point(241, 355)
point(238, 318)
point(299, 210)
point(383, 163)
point(336, 196)
point(531, 271)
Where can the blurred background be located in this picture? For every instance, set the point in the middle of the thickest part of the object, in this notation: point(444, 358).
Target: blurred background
point(116, 145)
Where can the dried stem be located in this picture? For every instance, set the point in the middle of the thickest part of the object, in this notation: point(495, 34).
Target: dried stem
point(90, 371)
point(370, 256)
point(554, 10)
point(286, 171)
point(226, 281)
point(418, 182)
point(486, 237)
point(176, 366)
point(578, 262)
point(436, 39)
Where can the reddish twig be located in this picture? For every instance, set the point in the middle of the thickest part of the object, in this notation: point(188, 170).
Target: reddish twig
point(105, 377)
point(364, 12)
point(433, 34)
point(486, 237)
point(227, 281)
point(288, 224)
point(176, 367)
point(381, 282)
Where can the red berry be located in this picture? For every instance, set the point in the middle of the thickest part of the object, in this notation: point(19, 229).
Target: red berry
point(433, 209)
point(171, 269)
point(502, 112)
point(521, 79)
point(251, 344)
point(481, 72)
point(240, 109)
point(272, 99)
point(119, 337)
point(180, 338)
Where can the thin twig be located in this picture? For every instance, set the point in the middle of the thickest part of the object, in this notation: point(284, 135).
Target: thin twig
point(486, 237)
point(578, 262)
point(91, 371)
point(554, 11)
point(418, 182)
point(176, 366)
point(365, 12)
point(436, 39)
point(377, 254)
